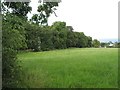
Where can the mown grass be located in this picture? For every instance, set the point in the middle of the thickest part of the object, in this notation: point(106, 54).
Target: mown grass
point(70, 68)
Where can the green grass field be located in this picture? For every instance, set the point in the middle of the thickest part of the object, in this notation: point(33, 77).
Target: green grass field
point(70, 68)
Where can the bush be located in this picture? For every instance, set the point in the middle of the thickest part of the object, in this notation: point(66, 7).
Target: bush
point(10, 68)
point(13, 39)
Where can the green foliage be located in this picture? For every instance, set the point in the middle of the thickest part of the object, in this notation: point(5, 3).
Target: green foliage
point(89, 41)
point(33, 36)
point(59, 35)
point(18, 8)
point(117, 44)
point(46, 39)
point(13, 39)
point(10, 68)
point(70, 39)
point(44, 10)
point(78, 39)
point(96, 43)
point(82, 40)
point(16, 33)
point(103, 44)
point(13, 32)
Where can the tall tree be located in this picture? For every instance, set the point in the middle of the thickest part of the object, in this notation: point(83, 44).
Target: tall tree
point(89, 41)
point(44, 9)
point(96, 43)
point(13, 40)
point(59, 34)
point(20, 9)
point(70, 39)
point(33, 37)
point(46, 39)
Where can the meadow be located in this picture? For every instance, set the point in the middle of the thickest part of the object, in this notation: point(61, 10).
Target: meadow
point(70, 68)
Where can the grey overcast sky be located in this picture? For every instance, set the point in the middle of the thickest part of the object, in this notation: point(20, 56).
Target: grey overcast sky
point(96, 18)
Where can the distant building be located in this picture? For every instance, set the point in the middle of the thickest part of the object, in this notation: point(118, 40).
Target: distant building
point(111, 45)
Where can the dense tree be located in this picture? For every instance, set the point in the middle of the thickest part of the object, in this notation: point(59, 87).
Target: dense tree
point(118, 45)
point(70, 39)
point(12, 39)
point(89, 41)
point(103, 44)
point(82, 40)
point(46, 39)
point(59, 34)
point(33, 36)
point(96, 43)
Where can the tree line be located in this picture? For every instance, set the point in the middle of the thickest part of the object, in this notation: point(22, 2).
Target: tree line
point(56, 36)
point(110, 44)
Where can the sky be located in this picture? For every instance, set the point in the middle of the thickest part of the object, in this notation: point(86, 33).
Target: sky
point(96, 18)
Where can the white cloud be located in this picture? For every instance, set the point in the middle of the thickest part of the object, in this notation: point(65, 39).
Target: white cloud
point(96, 18)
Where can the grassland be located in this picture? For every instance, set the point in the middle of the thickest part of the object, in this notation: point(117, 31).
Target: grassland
point(70, 68)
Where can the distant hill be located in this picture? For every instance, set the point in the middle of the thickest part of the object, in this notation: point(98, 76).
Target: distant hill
point(107, 40)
